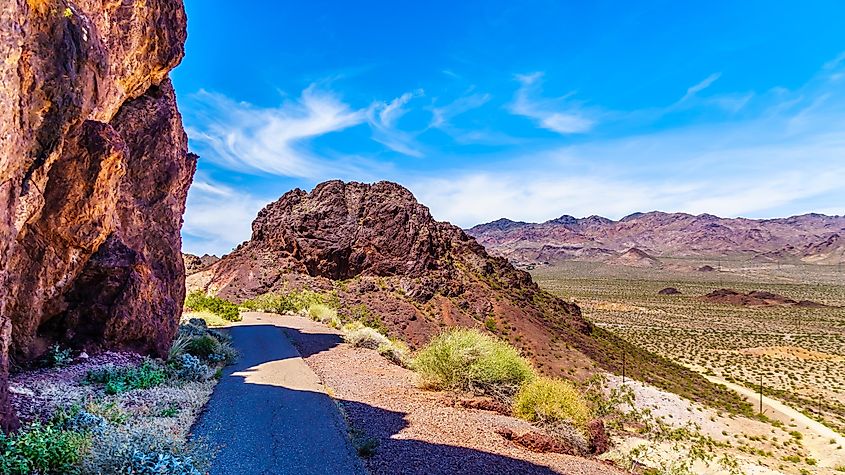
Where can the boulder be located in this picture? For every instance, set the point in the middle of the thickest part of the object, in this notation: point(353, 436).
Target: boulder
point(94, 171)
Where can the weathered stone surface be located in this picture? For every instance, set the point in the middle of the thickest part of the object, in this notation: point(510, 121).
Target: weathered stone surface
point(386, 258)
point(93, 175)
point(194, 264)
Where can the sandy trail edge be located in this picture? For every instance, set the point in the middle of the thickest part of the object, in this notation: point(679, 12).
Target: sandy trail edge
point(817, 435)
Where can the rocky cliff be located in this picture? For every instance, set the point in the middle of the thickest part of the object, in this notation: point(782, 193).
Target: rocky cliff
point(94, 171)
point(387, 259)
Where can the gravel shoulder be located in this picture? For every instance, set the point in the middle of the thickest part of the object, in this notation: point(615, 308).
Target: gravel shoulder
point(418, 432)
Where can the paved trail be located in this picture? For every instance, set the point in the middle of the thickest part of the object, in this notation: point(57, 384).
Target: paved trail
point(270, 415)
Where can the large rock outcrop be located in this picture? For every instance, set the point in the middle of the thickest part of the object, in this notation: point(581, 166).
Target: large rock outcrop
point(94, 170)
point(386, 258)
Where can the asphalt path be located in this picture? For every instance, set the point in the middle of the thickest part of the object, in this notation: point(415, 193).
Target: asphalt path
point(269, 414)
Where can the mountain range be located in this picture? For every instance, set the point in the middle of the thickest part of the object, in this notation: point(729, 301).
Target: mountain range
point(811, 238)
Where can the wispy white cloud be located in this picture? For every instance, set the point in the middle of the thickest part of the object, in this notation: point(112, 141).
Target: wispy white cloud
point(704, 84)
point(217, 217)
point(784, 160)
point(441, 116)
point(275, 140)
point(558, 115)
point(383, 118)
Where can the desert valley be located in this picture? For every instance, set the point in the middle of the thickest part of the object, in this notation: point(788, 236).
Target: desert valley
point(202, 272)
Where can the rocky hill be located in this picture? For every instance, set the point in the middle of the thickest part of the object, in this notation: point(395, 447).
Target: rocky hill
point(194, 264)
point(809, 237)
point(383, 255)
point(94, 171)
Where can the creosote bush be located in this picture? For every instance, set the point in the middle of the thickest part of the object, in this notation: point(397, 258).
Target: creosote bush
point(199, 301)
point(356, 334)
point(549, 400)
point(467, 360)
point(324, 314)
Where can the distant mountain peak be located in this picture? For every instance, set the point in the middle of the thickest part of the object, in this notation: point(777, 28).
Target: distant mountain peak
point(807, 237)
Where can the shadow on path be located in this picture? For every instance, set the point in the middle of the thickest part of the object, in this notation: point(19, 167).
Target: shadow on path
point(268, 415)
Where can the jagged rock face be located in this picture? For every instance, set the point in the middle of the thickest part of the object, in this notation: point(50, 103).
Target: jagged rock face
point(94, 171)
point(343, 230)
point(385, 258)
point(194, 264)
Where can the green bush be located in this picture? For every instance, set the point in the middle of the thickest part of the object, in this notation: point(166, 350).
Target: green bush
point(58, 357)
point(551, 400)
point(120, 379)
point(291, 302)
point(324, 314)
point(202, 346)
point(199, 301)
point(195, 338)
point(356, 334)
point(468, 360)
point(43, 449)
point(362, 313)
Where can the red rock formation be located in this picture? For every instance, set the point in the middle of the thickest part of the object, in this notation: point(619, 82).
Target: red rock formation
point(94, 171)
point(386, 258)
point(755, 298)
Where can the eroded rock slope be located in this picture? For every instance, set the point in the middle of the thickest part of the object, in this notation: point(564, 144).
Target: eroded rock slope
point(386, 258)
point(94, 171)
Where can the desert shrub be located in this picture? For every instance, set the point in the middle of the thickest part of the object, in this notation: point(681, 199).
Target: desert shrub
point(190, 368)
point(136, 451)
point(273, 303)
point(196, 339)
point(362, 313)
point(291, 302)
point(362, 336)
point(40, 448)
point(396, 352)
point(468, 360)
point(119, 379)
point(324, 314)
point(82, 421)
point(199, 301)
point(202, 346)
point(58, 357)
point(551, 400)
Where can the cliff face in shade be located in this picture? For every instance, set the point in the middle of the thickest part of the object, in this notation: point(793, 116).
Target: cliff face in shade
point(94, 171)
point(385, 257)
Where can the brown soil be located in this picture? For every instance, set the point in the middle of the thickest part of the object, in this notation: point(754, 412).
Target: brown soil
point(417, 431)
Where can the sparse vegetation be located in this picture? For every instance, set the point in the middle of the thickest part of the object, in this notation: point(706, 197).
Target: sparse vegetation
point(468, 360)
point(296, 301)
point(199, 301)
point(58, 356)
point(42, 448)
point(796, 351)
point(357, 334)
point(116, 380)
point(548, 400)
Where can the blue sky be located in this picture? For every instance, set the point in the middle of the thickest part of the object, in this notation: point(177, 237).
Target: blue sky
point(526, 110)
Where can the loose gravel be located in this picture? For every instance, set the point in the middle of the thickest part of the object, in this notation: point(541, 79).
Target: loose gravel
point(417, 431)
